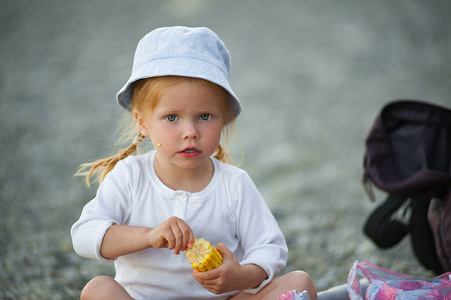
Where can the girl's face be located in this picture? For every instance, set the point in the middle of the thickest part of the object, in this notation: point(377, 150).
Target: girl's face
point(185, 126)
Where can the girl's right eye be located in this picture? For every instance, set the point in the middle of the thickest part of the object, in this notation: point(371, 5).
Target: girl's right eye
point(171, 118)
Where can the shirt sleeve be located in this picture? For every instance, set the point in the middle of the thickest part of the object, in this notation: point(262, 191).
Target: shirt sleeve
point(260, 236)
point(111, 205)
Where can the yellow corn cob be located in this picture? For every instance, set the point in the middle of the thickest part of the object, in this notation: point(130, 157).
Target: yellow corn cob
point(203, 257)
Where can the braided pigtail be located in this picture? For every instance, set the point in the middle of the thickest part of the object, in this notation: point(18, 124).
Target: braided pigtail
point(222, 155)
point(103, 166)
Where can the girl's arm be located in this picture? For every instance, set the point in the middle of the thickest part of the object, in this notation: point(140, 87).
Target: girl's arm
point(173, 234)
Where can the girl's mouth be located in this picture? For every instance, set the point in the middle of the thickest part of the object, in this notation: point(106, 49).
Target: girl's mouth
point(190, 152)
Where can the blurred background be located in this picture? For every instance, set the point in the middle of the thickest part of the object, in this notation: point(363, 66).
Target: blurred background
point(311, 75)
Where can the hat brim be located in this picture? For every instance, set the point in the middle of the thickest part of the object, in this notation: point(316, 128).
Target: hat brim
point(186, 67)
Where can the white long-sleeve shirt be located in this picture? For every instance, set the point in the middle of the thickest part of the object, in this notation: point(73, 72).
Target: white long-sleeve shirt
point(229, 210)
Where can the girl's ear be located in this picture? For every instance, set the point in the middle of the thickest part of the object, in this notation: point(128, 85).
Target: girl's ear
point(141, 124)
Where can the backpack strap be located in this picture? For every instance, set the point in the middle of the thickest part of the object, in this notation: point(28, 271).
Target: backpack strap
point(389, 223)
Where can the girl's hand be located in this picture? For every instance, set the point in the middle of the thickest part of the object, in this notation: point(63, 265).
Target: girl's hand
point(173, 234)
point(230, 275)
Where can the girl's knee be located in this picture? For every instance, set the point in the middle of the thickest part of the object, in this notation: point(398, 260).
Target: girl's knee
point(102, 287)
point(92, 288)
point(302, 281)
point(299, 276)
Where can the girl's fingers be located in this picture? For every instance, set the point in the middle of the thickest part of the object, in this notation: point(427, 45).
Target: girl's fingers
point(175, 234)
point(178, 238)
point(188, 236)
point(169, 239)
point(225, 252)
point(191, 239)
point(183, 235)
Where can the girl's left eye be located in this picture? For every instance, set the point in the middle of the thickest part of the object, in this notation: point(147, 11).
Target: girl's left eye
point(205, 117)
point(171, 118)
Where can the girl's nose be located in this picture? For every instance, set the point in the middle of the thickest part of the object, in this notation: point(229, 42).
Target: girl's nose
point(190, 131)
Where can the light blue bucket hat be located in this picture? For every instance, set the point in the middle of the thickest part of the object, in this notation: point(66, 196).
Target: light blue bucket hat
point(181, 51)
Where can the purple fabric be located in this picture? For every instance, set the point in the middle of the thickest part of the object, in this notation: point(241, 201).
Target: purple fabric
point(388, 285)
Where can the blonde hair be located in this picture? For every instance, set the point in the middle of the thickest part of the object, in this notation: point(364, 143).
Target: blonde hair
point(145, 97)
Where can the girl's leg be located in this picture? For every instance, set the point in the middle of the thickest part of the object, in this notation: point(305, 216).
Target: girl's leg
point(297, 280)
point(104, 287)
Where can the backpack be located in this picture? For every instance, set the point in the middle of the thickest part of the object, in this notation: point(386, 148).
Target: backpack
point(408, 156)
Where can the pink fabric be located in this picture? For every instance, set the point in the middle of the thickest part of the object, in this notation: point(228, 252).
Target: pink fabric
point(294, 295)
point(388, 285)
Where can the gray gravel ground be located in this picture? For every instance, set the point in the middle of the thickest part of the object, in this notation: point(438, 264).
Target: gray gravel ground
point(312, 75)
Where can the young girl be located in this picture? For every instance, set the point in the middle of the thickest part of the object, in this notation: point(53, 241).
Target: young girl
point(149, 208)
